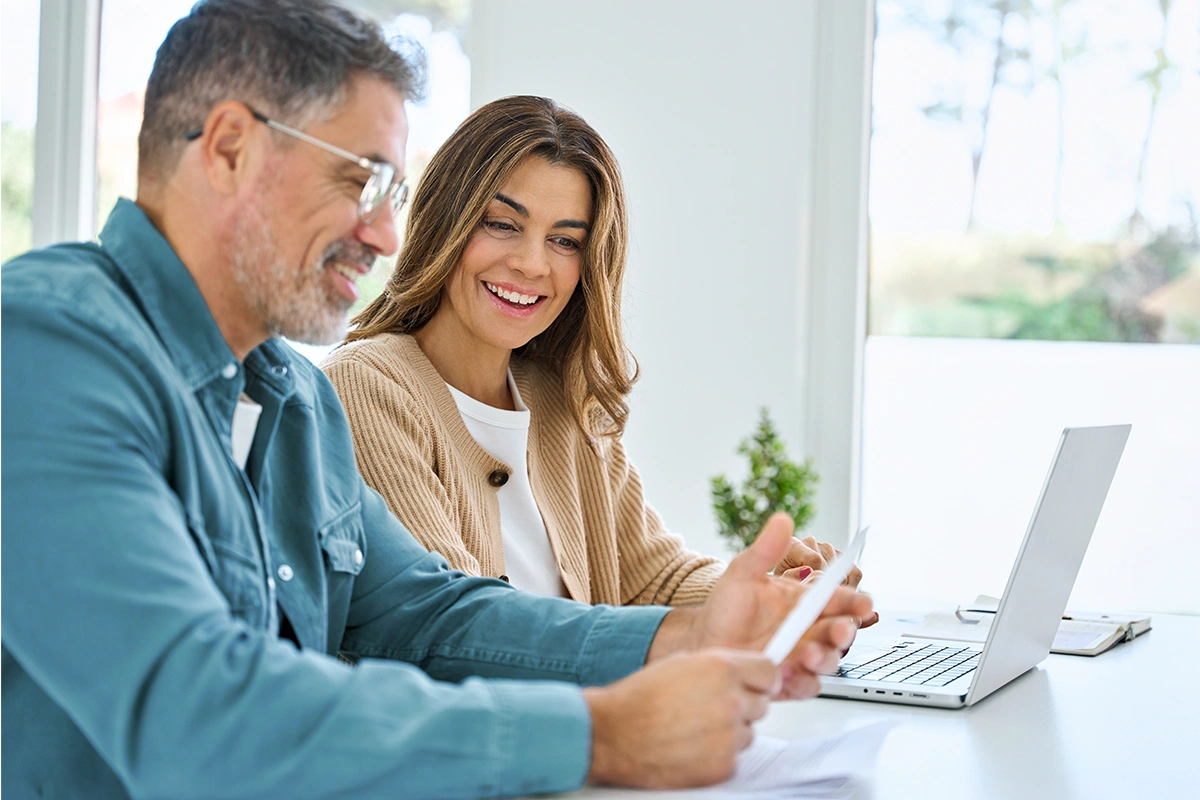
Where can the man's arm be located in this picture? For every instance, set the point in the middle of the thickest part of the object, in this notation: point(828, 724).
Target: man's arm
point(110, 609)
point(456, 626)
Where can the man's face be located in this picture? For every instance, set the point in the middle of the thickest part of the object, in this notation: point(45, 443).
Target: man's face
point(299, 247)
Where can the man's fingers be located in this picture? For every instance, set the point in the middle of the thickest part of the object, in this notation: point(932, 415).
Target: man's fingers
point(846, 602)
point(799, 684)
point(754, 705)
point(833, 633)
point(767, 550)
point(756, 672)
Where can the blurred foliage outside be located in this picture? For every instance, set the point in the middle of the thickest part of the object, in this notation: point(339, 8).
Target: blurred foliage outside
point(999, 286)
point(1104, 89)
point(16, 190)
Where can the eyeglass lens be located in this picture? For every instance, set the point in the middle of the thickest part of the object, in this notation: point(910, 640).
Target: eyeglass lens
point(381, 186)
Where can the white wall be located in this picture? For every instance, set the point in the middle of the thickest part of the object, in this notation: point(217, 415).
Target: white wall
point(711, 112)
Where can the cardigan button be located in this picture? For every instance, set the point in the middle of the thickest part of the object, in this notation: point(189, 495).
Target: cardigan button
point(498, 478)
point(505, 579)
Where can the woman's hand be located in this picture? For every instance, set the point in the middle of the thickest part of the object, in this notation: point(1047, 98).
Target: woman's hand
point(808, 552)
point(806, 557)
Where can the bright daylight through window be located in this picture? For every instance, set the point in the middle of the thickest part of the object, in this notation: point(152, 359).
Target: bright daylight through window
point(130, 31)
point(1035, 263)
point(18, 113)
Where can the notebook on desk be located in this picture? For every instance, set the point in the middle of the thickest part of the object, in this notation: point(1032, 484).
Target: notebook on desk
point(953, 674)
point(1080, 633)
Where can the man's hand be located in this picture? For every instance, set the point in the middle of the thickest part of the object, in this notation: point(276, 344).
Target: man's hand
point(680, 722)
point(746, 606)
point(808, 552)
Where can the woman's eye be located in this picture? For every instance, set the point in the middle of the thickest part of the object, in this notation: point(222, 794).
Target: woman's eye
point(498, 225)
point(567, 243)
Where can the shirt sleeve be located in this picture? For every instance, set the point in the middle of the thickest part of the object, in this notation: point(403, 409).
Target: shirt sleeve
point(394, 453)
point(109, 608)
point(655, 564)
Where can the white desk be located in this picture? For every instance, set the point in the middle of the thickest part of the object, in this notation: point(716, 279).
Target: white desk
point(1073, 727)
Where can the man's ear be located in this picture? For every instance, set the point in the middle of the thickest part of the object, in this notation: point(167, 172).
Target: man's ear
point(230, 146)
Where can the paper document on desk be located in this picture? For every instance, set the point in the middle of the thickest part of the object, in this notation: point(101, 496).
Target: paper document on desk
point(774, 769)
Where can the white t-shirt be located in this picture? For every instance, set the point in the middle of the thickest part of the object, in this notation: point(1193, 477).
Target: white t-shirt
point(528, 558)
point(245, 423)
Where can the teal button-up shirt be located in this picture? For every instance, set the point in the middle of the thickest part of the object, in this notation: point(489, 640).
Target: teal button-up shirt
point(144, 571)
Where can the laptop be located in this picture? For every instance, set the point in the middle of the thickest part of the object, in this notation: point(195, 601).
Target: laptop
point(951, 674)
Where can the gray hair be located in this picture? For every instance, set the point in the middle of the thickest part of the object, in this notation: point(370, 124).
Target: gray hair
point(292, 59)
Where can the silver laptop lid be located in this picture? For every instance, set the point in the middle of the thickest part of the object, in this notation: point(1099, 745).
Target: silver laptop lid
point(1055, 543)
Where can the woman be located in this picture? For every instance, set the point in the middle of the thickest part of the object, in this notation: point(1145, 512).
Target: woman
point(486, 387)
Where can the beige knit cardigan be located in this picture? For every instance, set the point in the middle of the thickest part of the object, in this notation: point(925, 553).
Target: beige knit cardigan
point(414, 449)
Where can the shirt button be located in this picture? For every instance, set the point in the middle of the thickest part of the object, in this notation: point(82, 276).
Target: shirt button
point(505, 579)
point(285, 572)
point(229, 372)
point(279, 370)
point(498, 478)
point(358, 557)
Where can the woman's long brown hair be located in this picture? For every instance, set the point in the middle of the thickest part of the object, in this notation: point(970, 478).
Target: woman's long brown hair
point(584, 345)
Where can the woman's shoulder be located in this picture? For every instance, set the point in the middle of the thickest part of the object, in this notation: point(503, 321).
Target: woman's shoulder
point(393, 358)
point(394, 355)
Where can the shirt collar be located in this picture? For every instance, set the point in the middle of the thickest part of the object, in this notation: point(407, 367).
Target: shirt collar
point(174, 306)
point(167, 294)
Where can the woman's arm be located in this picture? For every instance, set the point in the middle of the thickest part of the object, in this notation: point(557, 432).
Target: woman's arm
point(394, 446)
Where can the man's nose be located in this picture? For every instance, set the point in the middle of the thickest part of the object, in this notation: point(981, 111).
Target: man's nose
point(380, 234)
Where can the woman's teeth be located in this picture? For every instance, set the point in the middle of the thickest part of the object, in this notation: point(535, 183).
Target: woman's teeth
point(513, 297)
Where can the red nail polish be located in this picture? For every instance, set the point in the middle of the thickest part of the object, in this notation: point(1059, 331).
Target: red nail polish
point(803, 573)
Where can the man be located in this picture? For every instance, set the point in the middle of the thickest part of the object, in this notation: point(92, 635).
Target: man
point(177, 578)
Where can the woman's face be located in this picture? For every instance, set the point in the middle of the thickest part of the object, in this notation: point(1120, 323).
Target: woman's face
point(521, 265)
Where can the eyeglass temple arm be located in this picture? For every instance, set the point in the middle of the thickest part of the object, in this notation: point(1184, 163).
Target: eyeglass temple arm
point(363, 162)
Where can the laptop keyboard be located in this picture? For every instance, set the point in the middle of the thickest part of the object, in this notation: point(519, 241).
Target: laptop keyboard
point(915, 663)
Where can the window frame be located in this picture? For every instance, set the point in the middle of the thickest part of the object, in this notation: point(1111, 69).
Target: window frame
point(64, 185)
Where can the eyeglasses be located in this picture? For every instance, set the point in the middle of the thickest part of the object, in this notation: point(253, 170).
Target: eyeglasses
point(383, 187)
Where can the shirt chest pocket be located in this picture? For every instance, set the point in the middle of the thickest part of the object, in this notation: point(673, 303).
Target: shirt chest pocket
point(237, 570)
point(344, 546)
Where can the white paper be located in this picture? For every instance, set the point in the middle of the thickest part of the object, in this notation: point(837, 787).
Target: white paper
point(805, 613)
point(774, 769)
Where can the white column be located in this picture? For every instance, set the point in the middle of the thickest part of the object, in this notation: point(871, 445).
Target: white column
point(64, 190)
point(836, 267)
point(741, 128)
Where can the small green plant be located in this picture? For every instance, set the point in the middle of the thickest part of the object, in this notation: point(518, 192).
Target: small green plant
point(775, 484)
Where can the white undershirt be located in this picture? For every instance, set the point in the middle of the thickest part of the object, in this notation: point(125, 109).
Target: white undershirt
point(528, 559)
point(245, 423)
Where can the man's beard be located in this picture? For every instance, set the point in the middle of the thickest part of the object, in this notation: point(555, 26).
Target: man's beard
point(295, 302)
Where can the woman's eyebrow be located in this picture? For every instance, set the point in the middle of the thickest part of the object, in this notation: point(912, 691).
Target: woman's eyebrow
point(517, 207)
point(524, 212)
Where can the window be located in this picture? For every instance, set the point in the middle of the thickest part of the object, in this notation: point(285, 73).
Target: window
point(130, 33)
point(1034, 170)
point(127, 52)
point(1035, 263)
point(18, 114)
